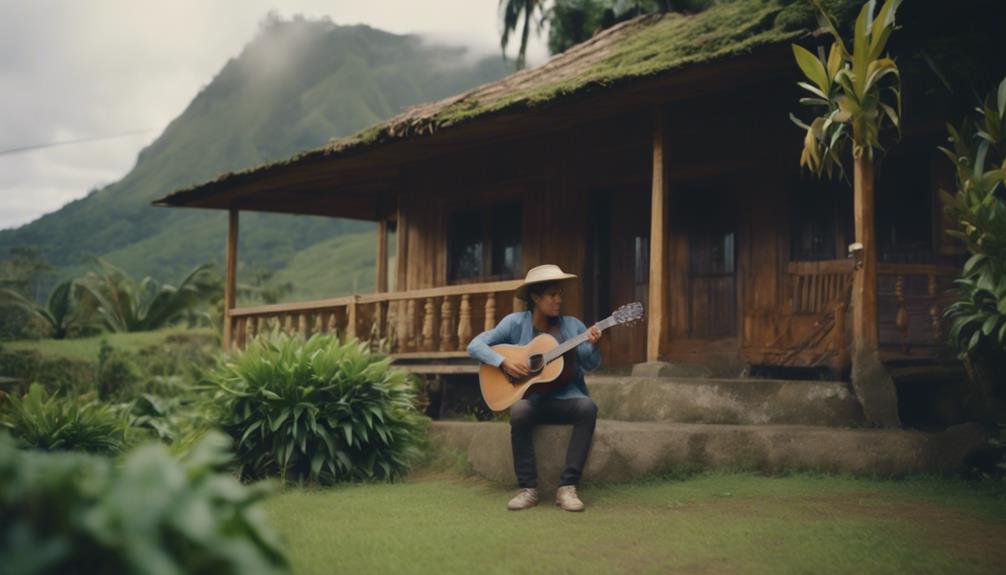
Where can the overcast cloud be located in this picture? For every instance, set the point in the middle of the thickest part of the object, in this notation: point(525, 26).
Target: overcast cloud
point(74, 69)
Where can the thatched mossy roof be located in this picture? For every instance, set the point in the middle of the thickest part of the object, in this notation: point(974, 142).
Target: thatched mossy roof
point(641, 48)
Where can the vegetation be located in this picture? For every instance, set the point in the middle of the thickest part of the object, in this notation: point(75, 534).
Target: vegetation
point(67, 423)
point(978, 152)
point(75, 513)
point(317, 410)
point(711, 523)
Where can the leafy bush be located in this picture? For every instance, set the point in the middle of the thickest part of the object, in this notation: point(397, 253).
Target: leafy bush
point(75, 513)
point(54, 423)
point(317, 410)
point(117, 376)
point(979, 210)
point(57, 374)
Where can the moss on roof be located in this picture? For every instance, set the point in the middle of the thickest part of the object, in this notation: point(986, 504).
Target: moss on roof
point(644, 47)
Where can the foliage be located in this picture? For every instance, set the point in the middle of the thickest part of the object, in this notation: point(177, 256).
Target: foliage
point(263, 288)
point(63, 423)
point(75, 513)
point(317, 410)
point(21, 273)
point(63, 314)
point(978, 152)
point(116, 376)
point(851, 87)
point(126, 305)
point(57, 374)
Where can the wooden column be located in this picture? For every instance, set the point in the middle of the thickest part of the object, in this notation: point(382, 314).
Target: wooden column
point(864, 287)
point(232, 263)
point(657, 308)
point(382, 256)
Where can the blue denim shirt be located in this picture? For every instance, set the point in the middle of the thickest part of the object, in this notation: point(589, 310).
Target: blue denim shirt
point(518, 329)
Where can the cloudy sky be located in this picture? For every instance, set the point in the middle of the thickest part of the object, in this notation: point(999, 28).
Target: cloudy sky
point(74, 70)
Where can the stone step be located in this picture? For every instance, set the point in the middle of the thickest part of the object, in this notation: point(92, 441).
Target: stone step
point(725, 401)
point(623, 450)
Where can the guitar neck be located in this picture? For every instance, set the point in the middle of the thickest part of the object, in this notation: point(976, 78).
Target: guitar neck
point(569, 344)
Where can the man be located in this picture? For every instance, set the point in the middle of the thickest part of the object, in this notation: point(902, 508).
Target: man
point(571, 403)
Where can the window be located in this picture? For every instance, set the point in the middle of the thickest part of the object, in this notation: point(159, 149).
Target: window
point(483, 244)
point(821, 224)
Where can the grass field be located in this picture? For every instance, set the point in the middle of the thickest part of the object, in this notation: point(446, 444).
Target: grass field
point(719, 523)
point(86, 348)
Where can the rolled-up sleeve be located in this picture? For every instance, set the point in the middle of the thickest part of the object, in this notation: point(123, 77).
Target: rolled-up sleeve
point(479, 346)
point(587, 353)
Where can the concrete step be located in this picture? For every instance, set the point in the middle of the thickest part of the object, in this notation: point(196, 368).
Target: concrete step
point(725, 401)
point(623, 450)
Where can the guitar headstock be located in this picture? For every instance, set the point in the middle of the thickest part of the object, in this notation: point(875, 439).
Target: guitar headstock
point(628, 314)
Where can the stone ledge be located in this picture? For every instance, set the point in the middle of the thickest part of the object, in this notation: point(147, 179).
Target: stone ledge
point(726, 401)
point(624, 451)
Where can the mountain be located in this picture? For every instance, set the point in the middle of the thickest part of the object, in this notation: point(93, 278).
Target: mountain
point(296, 85)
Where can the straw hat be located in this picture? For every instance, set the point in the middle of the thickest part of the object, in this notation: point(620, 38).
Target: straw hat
point(539, 274)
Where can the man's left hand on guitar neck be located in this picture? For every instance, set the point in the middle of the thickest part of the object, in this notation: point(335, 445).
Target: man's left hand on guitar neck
point(593, 333)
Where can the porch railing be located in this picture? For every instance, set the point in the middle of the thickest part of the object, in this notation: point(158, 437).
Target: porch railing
point(433, 321)
point(910, 302)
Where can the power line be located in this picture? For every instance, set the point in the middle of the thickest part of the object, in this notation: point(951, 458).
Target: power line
point(75, 141)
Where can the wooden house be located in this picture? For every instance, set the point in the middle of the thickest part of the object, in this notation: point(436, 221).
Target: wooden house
point(657, 162)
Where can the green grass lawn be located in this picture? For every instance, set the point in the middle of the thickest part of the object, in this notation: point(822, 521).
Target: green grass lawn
point(719, 523)
point(86, 348)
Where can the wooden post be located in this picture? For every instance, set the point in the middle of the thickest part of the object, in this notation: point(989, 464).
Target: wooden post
point(428, 341)
point(447, 326)
point(382, 256)
point(657, 307)
point(490, 321)
point(232, 263)
point(864, 288)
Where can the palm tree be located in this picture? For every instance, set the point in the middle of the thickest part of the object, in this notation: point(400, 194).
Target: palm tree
point(511, 12)
point(859, 92)
point(62, 312)
point(126, 305)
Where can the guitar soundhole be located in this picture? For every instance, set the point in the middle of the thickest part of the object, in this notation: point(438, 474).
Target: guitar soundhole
point(536, 363)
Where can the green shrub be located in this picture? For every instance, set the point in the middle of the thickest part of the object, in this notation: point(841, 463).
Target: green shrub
point(57, 374)
point(74, 513)
point(317, 410)
point(117, 376)
point(55, 423)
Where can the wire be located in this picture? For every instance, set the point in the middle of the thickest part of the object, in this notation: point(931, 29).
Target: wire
point(76, 141)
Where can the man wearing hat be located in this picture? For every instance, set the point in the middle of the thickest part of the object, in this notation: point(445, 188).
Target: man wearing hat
point(542, 295)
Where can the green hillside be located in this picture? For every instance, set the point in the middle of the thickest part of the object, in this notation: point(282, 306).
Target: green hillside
point(295, 86)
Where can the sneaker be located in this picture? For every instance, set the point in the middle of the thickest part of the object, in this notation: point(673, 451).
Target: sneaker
point(525, 498)
point(567, 498)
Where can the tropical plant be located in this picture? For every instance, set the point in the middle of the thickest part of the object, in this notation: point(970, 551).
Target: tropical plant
point(857, 93)
point(64, 423)
point(62, 313)
point(317, 410)
point(978, 153)
point(126, 305)
point(511, 13)
point(75, 513)
point(849, 88)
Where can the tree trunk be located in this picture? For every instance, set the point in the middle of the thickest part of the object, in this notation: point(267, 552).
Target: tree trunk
point(870, 380)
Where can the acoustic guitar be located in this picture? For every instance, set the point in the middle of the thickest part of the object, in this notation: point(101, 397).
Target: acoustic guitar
point(548, 369)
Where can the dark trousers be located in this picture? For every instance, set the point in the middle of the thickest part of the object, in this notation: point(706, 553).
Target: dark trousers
point(524, 415)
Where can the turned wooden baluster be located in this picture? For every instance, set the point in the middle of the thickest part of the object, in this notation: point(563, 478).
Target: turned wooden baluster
point(288, 323)
point(464, 322)
point(240, 332)
point(411, 335)
point(428, 309)
point(447, 327)
point(302, 324)
point(402, 331)
point(490, 311)
point(333, 323)
point(901, 320)
point(934, 311)
point(392, 325)
point(351, 319)
point(252, 327)
point(318, 326)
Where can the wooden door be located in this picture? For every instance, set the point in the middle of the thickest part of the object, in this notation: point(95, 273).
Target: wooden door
point(617, 270)
point(712, 276)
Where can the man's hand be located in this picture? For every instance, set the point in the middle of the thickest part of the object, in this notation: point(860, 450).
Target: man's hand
point(516, 369)
point(593, 334)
